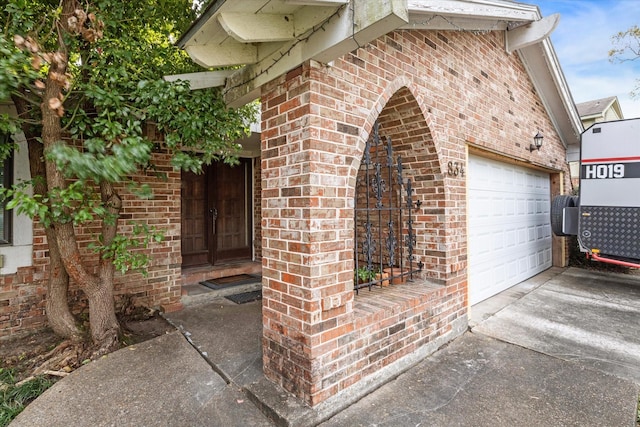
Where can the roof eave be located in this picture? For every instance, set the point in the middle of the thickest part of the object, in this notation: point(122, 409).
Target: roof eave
point(445, 14)
point(591, 116)
point(543, 67)
point(537, 54)
point(199, 22)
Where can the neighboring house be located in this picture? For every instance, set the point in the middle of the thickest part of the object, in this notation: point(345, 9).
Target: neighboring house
point(460, 88)
point(598, 110)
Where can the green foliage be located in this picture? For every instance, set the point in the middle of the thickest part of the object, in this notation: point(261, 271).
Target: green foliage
point(122, 249)
point(14, 398)
point(14, 63)
point(15, 71)
point(114, 56)
point(212, 134)
point(114, 85)
point(363, 275)
point(7, 146)
point(77, 203)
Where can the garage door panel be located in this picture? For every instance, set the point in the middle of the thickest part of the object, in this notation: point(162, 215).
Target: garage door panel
point(534, 257)
point(509, 230)
point(498, 244)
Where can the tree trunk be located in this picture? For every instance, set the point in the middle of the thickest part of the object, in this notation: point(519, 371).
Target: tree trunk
point(59, 315)
point(104, 324)
point(105, 328)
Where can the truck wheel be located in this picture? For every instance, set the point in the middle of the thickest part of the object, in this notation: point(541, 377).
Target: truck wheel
point(558, 204)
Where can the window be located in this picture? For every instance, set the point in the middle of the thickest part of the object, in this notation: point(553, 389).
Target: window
point(16, 231)
point(6, 180)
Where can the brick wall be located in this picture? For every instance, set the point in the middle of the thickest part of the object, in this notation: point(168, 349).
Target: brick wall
point(436, 94)
point(21, 303)
point(22, 295)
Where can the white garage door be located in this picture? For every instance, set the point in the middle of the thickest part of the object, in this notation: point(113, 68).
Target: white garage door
point(509, 225)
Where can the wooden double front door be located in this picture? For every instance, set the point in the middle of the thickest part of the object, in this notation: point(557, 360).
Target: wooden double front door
point(216, 214)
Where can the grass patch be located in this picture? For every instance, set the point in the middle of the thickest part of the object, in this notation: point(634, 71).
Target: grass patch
point(14, 398)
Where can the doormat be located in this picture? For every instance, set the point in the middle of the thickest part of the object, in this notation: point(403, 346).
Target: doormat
point(245, 297)
point(231, 281)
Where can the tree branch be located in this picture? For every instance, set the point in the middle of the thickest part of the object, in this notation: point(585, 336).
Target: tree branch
point(113, 203)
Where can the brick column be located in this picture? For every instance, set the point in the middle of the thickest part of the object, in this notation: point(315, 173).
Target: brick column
point(307, 226)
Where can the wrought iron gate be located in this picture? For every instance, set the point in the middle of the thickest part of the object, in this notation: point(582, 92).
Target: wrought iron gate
point(384, 235)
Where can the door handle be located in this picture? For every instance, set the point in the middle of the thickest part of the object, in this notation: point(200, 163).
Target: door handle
point(214, 215)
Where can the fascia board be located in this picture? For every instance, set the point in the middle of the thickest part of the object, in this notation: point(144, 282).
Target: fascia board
point(202, 79)
point(592, 116)
point(544, 70)
point(475, 9)
point(213, 7)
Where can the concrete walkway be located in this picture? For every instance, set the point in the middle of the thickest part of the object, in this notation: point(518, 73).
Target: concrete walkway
point(558, 349)
point(480, 381)
point(574, 363)
point(161, 382)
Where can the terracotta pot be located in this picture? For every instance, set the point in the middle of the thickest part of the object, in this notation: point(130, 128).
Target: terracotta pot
point(400, 275)
point(384, 277)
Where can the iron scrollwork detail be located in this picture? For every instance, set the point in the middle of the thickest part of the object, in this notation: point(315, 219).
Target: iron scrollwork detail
point(384, 204)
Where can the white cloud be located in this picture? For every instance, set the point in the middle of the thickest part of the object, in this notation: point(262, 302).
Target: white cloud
point(582, 42)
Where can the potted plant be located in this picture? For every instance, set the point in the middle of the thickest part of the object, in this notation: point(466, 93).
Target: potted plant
point(363, 275)
point(396, 274)
point(383, 277)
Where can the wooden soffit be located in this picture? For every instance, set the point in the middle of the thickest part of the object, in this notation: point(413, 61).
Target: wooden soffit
point(271, 37)
point(263, 39)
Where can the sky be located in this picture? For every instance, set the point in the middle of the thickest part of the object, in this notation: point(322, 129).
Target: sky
point(582, 41)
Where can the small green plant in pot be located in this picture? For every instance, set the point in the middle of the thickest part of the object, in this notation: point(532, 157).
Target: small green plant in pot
point(363, 275)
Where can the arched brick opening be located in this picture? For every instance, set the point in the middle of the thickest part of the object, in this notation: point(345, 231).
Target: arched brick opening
point(403, 121)
point(319, 340)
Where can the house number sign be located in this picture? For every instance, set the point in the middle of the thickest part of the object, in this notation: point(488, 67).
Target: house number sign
point(455, 169)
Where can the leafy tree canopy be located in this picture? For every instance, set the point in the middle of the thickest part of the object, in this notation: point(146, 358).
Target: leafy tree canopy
point(116, 54)
point(85, 77)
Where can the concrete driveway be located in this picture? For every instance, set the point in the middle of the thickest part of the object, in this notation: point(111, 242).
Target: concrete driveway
point(527, 361)
point(579, 315)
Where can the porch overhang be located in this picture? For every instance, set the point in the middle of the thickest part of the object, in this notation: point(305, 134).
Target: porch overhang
point(272, 37)
point(268, 38)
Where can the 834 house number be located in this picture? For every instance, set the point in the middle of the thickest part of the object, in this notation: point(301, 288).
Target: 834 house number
point(455, 169)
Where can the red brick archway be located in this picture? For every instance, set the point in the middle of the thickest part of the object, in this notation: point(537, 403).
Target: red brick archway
point(318, 339)
point(404, 122)
point(433, 96)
